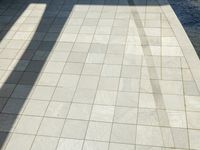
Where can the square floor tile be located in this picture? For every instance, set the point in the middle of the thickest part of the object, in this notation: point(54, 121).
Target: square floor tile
point(42, 93)
point(92, 69)
point(113, 59)
point(43, 143)
point(95, 58)
point(171, 74)
point(97, 48)
point(73, 68)
point(77, 57)
point(69, 144)
point(12, 106)
point(180, 137)
point(7, 89)
point(8, 122)
point(36, 108)
point(71, 29)
point(105, 22)
point(81, 47)
point(194, 139)
point(130, 59)
point(105, 97)
point(87, 29)
point(102, 113)
point(171, 62)
point(35, 66)
point(147, 100)
point(90, 21)
point(69, 81)
point(116, 48)
point(171, 87)
point(28, 78)
point(94, 145)
point(79, 111)
point(108, 83)
point(84, 96)
point(21, 91)
point(60, 56)
point(68, 37)
point(130, 72)
point(125, 115)
point(117, 39)
point(193, 119)
point(48, 79)
point(151, 61)
point(122, 133)
point(187, 75)
point(116, 146)
point(172, 102)
point(148, 135)
point(88, 82)
point(28, 124)
point(74, 129)
point(103, 30)
point(111, 70)
point(99, 131)
point(151, 73)
point(175, 118)
point(63, 94)
point(148, 117)
point(171, 51)
point(51, 127)
point(101, 39)
point(192, 103)
point(84, 38)
point(190, 88)
point(57, 109)
point(169, 41)
point(54, 67)
point(63, 46)
point(129, 85)
point(17, 142)
point(129, 99)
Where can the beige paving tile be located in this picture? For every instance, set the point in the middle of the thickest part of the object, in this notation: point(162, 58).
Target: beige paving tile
point(79, 111)
point(28, 125)
point(88, 145)
point(193, 136)
point(193, 120)
point(105, 97)
point(102, 113)
point(148, 135)
point(57, 109)
point(35, 107)
point(17, 142)
point(43, 142)
point(74, 129)
point(122, 133)
point(98, 131)
point(125, 115)
point(51, 127)
point(71, 144)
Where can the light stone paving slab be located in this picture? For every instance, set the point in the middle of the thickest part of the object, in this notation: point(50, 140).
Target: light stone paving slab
point(96, 75)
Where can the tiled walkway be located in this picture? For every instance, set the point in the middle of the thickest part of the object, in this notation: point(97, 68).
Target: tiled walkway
point(96, 75)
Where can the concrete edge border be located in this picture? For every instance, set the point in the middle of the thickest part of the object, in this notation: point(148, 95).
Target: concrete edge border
point(184, 42)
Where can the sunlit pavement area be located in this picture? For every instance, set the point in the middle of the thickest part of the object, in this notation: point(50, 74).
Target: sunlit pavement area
point(96, 75)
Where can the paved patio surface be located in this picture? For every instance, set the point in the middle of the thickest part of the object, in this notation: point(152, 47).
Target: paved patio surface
point(96, 75)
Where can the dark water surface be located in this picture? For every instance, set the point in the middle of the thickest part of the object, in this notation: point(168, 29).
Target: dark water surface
point(188, 12)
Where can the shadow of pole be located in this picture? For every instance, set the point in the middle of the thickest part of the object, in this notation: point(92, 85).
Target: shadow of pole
point(155, 85)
